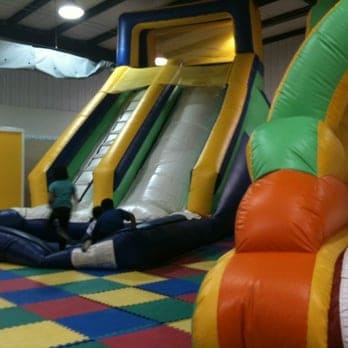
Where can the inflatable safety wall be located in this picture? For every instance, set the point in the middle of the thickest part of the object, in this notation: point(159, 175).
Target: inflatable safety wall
point(284, 284)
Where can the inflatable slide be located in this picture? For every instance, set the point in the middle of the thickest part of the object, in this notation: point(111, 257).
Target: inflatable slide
point(285, 282)
point(166, 143)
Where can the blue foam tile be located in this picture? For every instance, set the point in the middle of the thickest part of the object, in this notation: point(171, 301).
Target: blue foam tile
point(100, 272)
point(172, 287)
point(35, 295)
point(105, 323)
point(4, 275)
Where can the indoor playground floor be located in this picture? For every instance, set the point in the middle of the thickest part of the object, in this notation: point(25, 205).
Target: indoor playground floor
point(97, 308)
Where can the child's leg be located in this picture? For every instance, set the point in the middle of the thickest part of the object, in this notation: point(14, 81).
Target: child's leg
point(61, 223)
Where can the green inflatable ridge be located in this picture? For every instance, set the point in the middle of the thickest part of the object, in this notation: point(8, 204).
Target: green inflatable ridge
point(316, 70)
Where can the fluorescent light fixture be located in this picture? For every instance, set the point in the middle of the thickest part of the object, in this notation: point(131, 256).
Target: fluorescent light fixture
point(160, 61)
point(70, 10)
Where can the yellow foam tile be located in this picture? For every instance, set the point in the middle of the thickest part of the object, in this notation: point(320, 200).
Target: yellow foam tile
point(183, 325)
point(61, 277)
point(124, 297)
point(6, 304)
point(202, 265)
point(134, 278)
point(39, 335)
point(6, 266)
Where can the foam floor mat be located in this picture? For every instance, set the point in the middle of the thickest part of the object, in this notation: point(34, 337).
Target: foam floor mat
point(42, 308)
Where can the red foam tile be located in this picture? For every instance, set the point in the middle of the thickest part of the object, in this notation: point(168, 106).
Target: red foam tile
point(188, 297)
point(158, 337)
point(187, 259)
point(174, 271)
point(18, 284)
point(65, 307)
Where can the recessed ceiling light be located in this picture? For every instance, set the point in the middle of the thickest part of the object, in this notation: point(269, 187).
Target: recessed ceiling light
point(71, 11)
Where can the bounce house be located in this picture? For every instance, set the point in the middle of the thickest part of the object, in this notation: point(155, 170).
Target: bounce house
point(284, 284)
point(167, 143)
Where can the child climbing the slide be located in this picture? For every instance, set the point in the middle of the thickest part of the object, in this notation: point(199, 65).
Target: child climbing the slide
point(61, 195)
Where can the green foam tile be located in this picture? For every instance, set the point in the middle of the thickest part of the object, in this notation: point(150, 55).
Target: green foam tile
point(91, 286)
point(15, 316)
point(196, 278)
point(166, 310)
point(30, 272)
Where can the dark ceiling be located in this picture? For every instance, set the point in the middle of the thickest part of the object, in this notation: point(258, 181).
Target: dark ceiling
point(35, 22)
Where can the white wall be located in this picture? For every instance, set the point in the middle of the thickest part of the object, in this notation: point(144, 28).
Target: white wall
point(37, 123)
point(40, 104)
point(277, 56)
point(43, 107)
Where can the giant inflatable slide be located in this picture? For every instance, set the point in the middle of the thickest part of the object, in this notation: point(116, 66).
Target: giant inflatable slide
point(285, 282)
point(165, 142)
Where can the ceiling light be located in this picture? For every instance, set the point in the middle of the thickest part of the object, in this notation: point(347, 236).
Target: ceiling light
point(160, 61)
point(70, 10)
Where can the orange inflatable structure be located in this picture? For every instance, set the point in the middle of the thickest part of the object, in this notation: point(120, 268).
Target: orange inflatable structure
point(284, 284)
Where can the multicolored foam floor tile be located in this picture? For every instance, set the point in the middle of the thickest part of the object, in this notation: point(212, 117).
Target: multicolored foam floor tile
point(41, 308)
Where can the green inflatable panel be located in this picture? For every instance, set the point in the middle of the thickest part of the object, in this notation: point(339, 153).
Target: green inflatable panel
point(288, 143)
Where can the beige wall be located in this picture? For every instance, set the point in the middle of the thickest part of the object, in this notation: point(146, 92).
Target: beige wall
point(277, 56)
point(43, 107)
